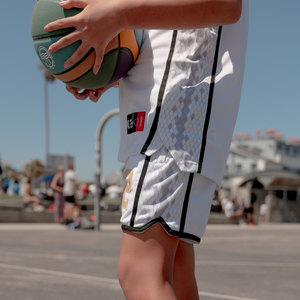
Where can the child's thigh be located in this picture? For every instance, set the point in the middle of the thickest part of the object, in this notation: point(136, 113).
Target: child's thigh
point(149, 255)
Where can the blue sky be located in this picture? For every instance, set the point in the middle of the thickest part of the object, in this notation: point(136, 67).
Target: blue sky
point(270, 96)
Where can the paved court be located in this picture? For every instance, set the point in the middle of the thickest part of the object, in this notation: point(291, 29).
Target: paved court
point(46, 262)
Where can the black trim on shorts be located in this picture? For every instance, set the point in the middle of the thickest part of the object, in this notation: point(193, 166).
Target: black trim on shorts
point(170, 231)
point(186, 202)
point(209, 104)
point(160, 94)
point(138, 190)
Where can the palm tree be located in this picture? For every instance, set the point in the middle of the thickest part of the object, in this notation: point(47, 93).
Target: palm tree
point(48, 78)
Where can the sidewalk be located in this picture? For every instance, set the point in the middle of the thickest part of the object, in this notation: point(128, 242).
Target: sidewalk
point(233, 262)
point(14, 212)
point(270, 227)
point(48, 227)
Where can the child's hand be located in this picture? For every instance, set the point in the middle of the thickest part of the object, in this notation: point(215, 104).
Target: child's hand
point(95, 27)
point(94, 95)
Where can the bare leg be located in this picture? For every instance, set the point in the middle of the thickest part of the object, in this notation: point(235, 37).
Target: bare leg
point(185, 284)
point(33, 199)
point(145, 268)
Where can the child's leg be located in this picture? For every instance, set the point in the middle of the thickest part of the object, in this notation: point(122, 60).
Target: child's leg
point(145, 268)
point(184, 280)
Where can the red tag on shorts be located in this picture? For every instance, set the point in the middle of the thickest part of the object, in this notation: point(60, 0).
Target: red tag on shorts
point(135, 122)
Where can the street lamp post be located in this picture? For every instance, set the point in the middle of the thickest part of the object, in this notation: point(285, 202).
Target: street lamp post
point(47, 123)
point(48, 78)
point(98, 195)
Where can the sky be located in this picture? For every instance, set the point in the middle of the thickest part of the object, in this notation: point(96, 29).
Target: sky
point(270, 95)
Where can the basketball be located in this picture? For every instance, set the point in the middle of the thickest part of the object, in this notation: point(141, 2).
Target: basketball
point(120, 53)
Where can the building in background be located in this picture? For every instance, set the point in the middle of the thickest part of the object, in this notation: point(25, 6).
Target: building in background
point(53, 161)
point(262, 154)
point(265, 168)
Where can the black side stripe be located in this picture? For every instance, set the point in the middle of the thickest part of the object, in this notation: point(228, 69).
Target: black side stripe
point(160, 94)
point(186, 203)
point(138, 190)
point(210, 98)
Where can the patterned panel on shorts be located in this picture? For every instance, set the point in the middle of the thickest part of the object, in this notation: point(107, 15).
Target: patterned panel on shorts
point(163, 192)
point(184, 107)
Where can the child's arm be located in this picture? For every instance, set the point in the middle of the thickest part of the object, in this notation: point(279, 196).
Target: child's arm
point(101, 20)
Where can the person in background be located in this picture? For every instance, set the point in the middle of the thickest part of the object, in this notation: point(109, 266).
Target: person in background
point(263, 212)
point(84, 190)
point(1, 171)
point(224, 202)
point(28, 196)
point(234, 210)
point(57, 185)
point(248, 212)
point(69, 191)
point(16, 187)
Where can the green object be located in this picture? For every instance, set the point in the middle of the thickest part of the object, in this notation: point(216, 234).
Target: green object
point(54, 62)
point(116, 62)
point(91, 81)
point(47, 11)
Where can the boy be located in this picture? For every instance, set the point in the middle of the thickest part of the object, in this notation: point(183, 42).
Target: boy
point(184, 90)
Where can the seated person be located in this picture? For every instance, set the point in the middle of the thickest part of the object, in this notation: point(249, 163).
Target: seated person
point(28, 196)
point(233, 209)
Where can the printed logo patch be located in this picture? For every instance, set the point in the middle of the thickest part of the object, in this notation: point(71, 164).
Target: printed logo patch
point(46, 57)
point(135, 122)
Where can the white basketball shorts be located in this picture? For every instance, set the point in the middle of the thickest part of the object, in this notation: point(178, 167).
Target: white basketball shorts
point(158, 192)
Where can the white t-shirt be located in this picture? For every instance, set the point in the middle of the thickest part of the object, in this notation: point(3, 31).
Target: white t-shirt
point(69, 178)
point(224, 202)
point(263, 209)
point(184, 93)
point(229, 209)
point(114, 191)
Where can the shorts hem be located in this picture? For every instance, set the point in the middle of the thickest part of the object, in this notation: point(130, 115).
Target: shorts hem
point(182, 235)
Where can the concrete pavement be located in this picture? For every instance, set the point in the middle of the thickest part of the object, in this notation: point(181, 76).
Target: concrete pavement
point(47, 261)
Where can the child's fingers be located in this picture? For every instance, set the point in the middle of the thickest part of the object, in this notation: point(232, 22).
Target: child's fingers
point(95, 95)
point(65, 41)
point(98, 60)
point(61, 24)
point(81, 96)
point(77, 55)
point(72, 3)
point(76, 92)
point(71, 89)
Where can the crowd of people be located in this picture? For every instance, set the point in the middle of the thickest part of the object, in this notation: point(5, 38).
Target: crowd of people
point(65, 191)
point(235, 210)
point(9, 184)
point(61, 197)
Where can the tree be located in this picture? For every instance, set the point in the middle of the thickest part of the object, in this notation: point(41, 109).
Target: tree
point(11, 173)
point(34, 169)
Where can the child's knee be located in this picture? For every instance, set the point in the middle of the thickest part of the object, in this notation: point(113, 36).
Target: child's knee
point(124, 274)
